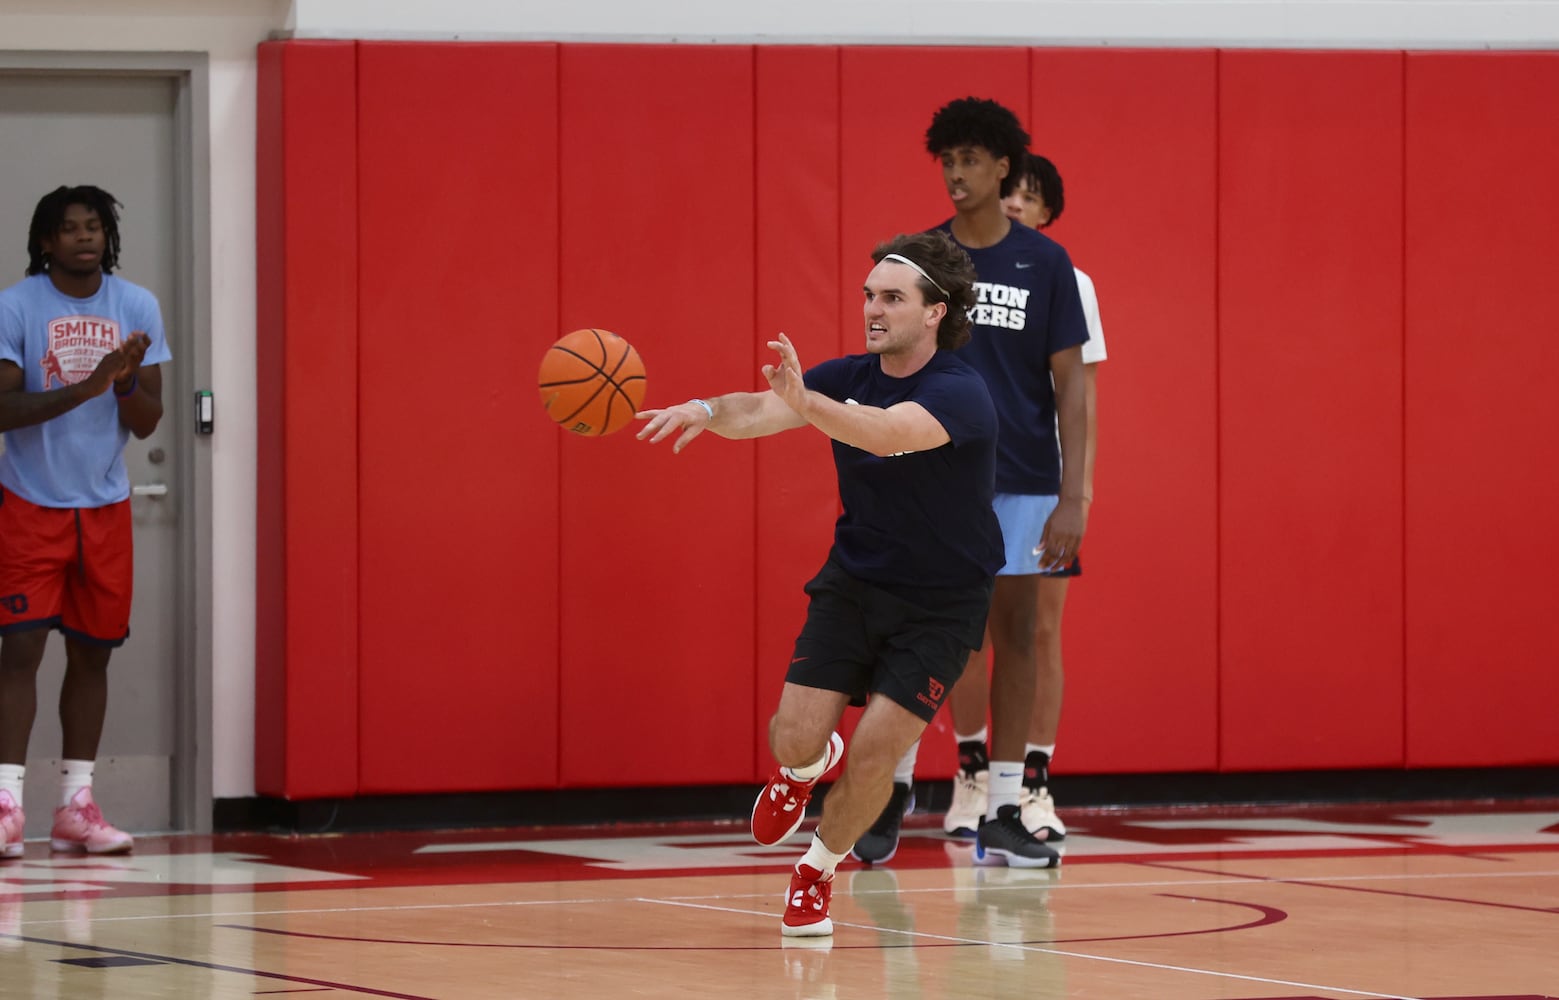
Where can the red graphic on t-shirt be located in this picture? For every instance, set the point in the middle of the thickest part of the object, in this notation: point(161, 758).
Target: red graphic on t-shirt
point(76, 345)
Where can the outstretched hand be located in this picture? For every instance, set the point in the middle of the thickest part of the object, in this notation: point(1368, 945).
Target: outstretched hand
point(689, 418)
point(785, 378)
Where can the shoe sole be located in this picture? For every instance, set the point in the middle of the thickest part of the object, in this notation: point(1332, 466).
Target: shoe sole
point(822, 928)
point(960, 831)
point(997, 856)
point(71, 847)
point(12, 851)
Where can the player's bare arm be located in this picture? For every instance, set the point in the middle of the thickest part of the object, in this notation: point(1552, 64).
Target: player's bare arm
point(20, 408)
point(735, 415)
point(903, 427)
point(1064, 530)
point(140, 397)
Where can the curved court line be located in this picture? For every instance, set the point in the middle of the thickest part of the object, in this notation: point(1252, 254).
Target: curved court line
point(1225, 880)
point(217, 967)
point(1327, 884)
point(1268, 915)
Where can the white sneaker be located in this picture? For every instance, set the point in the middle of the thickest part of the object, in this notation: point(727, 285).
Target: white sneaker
point(1039, 815)
point(971, 793)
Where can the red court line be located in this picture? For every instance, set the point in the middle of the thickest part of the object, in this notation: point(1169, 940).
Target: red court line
point(1352, 888)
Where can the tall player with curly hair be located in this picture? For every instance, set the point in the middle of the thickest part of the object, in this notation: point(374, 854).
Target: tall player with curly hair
point(79, 356)
point(1027, 343)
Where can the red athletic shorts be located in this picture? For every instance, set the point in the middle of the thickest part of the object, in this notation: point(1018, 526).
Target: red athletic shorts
point(66, 568)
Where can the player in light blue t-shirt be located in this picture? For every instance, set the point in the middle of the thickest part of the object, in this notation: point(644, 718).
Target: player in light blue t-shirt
point(79, 356)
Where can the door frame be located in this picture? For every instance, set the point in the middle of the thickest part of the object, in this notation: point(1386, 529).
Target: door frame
point(191, 778)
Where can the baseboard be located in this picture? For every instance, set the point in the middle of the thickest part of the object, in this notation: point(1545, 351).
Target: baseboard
point(620, 806)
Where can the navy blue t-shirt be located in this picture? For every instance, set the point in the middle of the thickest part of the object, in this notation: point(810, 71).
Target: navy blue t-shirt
point(1027, 309)
point(920, 519)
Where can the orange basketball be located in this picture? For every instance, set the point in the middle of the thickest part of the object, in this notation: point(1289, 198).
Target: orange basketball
point(592, 382)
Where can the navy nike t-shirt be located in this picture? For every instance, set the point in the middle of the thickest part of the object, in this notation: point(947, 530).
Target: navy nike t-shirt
point(920, 519)
point(1027, 308)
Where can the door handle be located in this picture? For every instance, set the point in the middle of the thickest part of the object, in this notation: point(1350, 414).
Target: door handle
point(150, 490)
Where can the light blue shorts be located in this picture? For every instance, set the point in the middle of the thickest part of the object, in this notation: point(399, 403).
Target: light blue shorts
point(1023, 518)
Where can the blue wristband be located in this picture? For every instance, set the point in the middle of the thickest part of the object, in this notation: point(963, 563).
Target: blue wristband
point(135, 379)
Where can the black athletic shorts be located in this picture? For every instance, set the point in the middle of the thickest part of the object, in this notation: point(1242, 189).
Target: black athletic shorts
point(908, 644)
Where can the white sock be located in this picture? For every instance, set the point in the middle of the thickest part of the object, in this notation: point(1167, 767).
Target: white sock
point(982, 734)
point(74, 776)
point(904, 773)
point(812, 771)
point(1006, 785)
point(11, 780)
point(820, 857)
point(1048, 749)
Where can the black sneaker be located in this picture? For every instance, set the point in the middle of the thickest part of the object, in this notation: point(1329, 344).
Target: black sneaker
point(1004, 840)
point(881, 842)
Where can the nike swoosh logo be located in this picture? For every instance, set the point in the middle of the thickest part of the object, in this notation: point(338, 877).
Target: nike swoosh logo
point(798, 659)
point(1010, 774)
point(1024, 267)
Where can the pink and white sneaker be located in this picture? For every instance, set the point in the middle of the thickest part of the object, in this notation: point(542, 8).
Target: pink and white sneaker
point(80, 827)
point(11, 824)
point(782, 804)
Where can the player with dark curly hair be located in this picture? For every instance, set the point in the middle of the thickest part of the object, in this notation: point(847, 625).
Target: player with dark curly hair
point(69, 332)
point(1039, 197)
point(1028, 332)
point(904, 593)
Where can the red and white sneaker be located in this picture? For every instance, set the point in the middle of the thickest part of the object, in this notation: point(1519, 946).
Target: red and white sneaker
point(11, 824)
point(806, 904)
point(782, 804)
point(80, 827)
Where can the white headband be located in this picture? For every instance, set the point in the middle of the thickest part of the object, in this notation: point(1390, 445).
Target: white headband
point(919, 270)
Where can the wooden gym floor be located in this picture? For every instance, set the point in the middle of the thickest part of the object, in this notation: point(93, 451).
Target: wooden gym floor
point(1396, 901)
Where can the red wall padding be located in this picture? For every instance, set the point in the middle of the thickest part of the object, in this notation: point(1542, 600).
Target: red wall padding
point(1310, 409)
point(1134, 135)
point(656, 581)
point(1321, 539)
point(1482, 355)
point(458, 474)
point(798, 291)
point(306, 651)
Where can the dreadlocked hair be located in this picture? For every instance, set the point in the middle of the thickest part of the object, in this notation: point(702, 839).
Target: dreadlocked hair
point(975, 121)
point(49, 218)
point(949, 266)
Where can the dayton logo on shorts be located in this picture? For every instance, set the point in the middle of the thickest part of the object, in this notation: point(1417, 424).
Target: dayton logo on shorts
point(16, 604)
point(76, 345)
point(933, 695)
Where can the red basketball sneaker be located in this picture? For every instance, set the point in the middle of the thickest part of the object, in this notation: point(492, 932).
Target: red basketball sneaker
point(806, 905)
point(782, 804)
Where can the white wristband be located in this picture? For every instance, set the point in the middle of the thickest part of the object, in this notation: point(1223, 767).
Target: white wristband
point(707, 408)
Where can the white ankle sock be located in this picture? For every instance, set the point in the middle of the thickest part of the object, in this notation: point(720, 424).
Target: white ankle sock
point(74, 776)
point(982, 734)
point(11, 780)
point(1006, 784)
point(813, 770)
point(820, 857)
point(904, 773)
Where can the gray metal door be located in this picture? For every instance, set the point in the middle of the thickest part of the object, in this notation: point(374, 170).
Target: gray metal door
point(119, 134)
